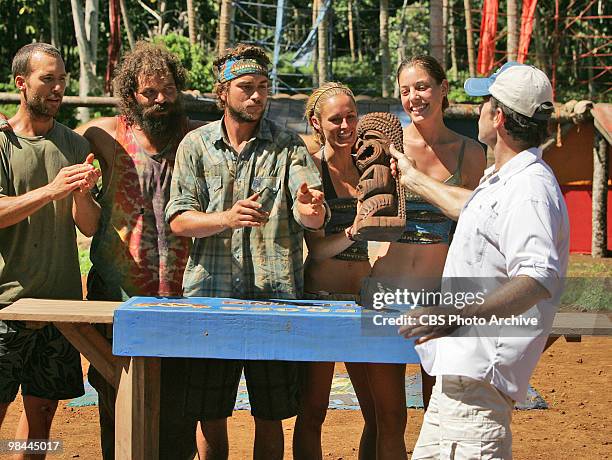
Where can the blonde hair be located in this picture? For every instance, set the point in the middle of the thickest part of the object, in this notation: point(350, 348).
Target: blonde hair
point(318, 98)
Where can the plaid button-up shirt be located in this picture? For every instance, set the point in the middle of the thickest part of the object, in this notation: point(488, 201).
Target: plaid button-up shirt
point(210, 176)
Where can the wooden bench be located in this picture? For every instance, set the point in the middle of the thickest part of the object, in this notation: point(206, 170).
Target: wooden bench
point(137, 378)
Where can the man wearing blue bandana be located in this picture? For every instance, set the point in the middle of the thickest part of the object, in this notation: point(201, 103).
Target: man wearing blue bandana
point(245, 189)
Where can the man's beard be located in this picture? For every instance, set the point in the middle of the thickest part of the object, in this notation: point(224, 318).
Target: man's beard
point(158, 120)
point(36, 107)
point(242, 116)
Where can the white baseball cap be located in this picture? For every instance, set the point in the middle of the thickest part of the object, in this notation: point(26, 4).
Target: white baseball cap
point(520, 87)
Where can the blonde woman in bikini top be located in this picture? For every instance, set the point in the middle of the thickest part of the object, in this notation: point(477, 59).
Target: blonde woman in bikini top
point(336, 265)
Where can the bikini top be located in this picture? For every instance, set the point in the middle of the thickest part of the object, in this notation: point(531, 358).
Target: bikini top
point(343, 213)
point(426, 223)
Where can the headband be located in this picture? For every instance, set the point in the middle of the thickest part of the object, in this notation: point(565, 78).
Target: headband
point(234, 68)
point(343, 89)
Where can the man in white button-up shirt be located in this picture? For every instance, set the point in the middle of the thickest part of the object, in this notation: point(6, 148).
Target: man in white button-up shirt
point(512, 244)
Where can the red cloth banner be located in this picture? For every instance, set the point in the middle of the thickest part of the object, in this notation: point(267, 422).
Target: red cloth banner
point(488, 30)
point(114, 42)
point(527, 15)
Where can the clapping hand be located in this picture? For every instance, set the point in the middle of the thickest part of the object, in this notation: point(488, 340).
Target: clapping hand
point(76, 178)
point(91, 176)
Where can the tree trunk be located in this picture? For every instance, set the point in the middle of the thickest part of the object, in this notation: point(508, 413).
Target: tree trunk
point(191, 20)
point(315, 48)
point(599, 243)
point(91, 30)
point(296, 25)
point(401, 49)
point(385, 58)
point(538, 37)
point(401, 55)
point(164, 26)
point(114, 43)
point(351, 32)
point(590, 62)
point(436, 31)
point(224, 26)
point(469, 37)
point(453, 44)
point(127, 24)
point(323, 45)
point(356, 24)
point(160, 17)
point(54, 24)
point(444, 32)
point(261, 32)
point(86, 31)
point(512, 42)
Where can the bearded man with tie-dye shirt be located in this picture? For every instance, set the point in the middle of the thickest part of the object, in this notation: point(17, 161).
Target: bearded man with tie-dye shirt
point(133, 251)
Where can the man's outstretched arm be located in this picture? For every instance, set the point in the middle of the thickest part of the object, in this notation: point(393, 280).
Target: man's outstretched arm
point(511, 299)
point(449, 199)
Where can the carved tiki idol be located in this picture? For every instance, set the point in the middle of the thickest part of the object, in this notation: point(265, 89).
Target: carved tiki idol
point(381, 215)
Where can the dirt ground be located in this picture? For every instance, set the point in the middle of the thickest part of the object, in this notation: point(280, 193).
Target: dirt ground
point(574, 378)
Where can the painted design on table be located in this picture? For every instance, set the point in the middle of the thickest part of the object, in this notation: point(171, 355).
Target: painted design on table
point(259, 306)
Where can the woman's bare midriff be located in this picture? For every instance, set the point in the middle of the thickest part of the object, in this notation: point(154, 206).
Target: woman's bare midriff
point(334, 275)
point(417, 266)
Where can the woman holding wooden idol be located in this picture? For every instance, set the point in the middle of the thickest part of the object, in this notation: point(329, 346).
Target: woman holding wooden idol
point(415, 262)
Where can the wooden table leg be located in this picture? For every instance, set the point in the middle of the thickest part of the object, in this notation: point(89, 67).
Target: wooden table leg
point(137, 410)
point(96, 349)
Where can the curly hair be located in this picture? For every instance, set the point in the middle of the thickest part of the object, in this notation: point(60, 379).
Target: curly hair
point(240, 51)
point(318, 98)
point(145, 59)
point(430, 65)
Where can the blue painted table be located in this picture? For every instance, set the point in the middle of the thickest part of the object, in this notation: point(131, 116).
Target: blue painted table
point(152, 327)
point(300, 330)
point(149, 328)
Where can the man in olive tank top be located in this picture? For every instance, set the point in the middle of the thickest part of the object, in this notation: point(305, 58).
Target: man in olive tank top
point(46, 173)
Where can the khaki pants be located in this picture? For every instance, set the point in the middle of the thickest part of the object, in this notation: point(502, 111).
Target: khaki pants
point(466, 419)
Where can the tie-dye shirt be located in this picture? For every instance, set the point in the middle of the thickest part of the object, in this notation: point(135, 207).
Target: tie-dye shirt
point(134, 252)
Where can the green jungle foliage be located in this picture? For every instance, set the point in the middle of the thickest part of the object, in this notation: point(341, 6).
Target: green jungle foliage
point(577, 49)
